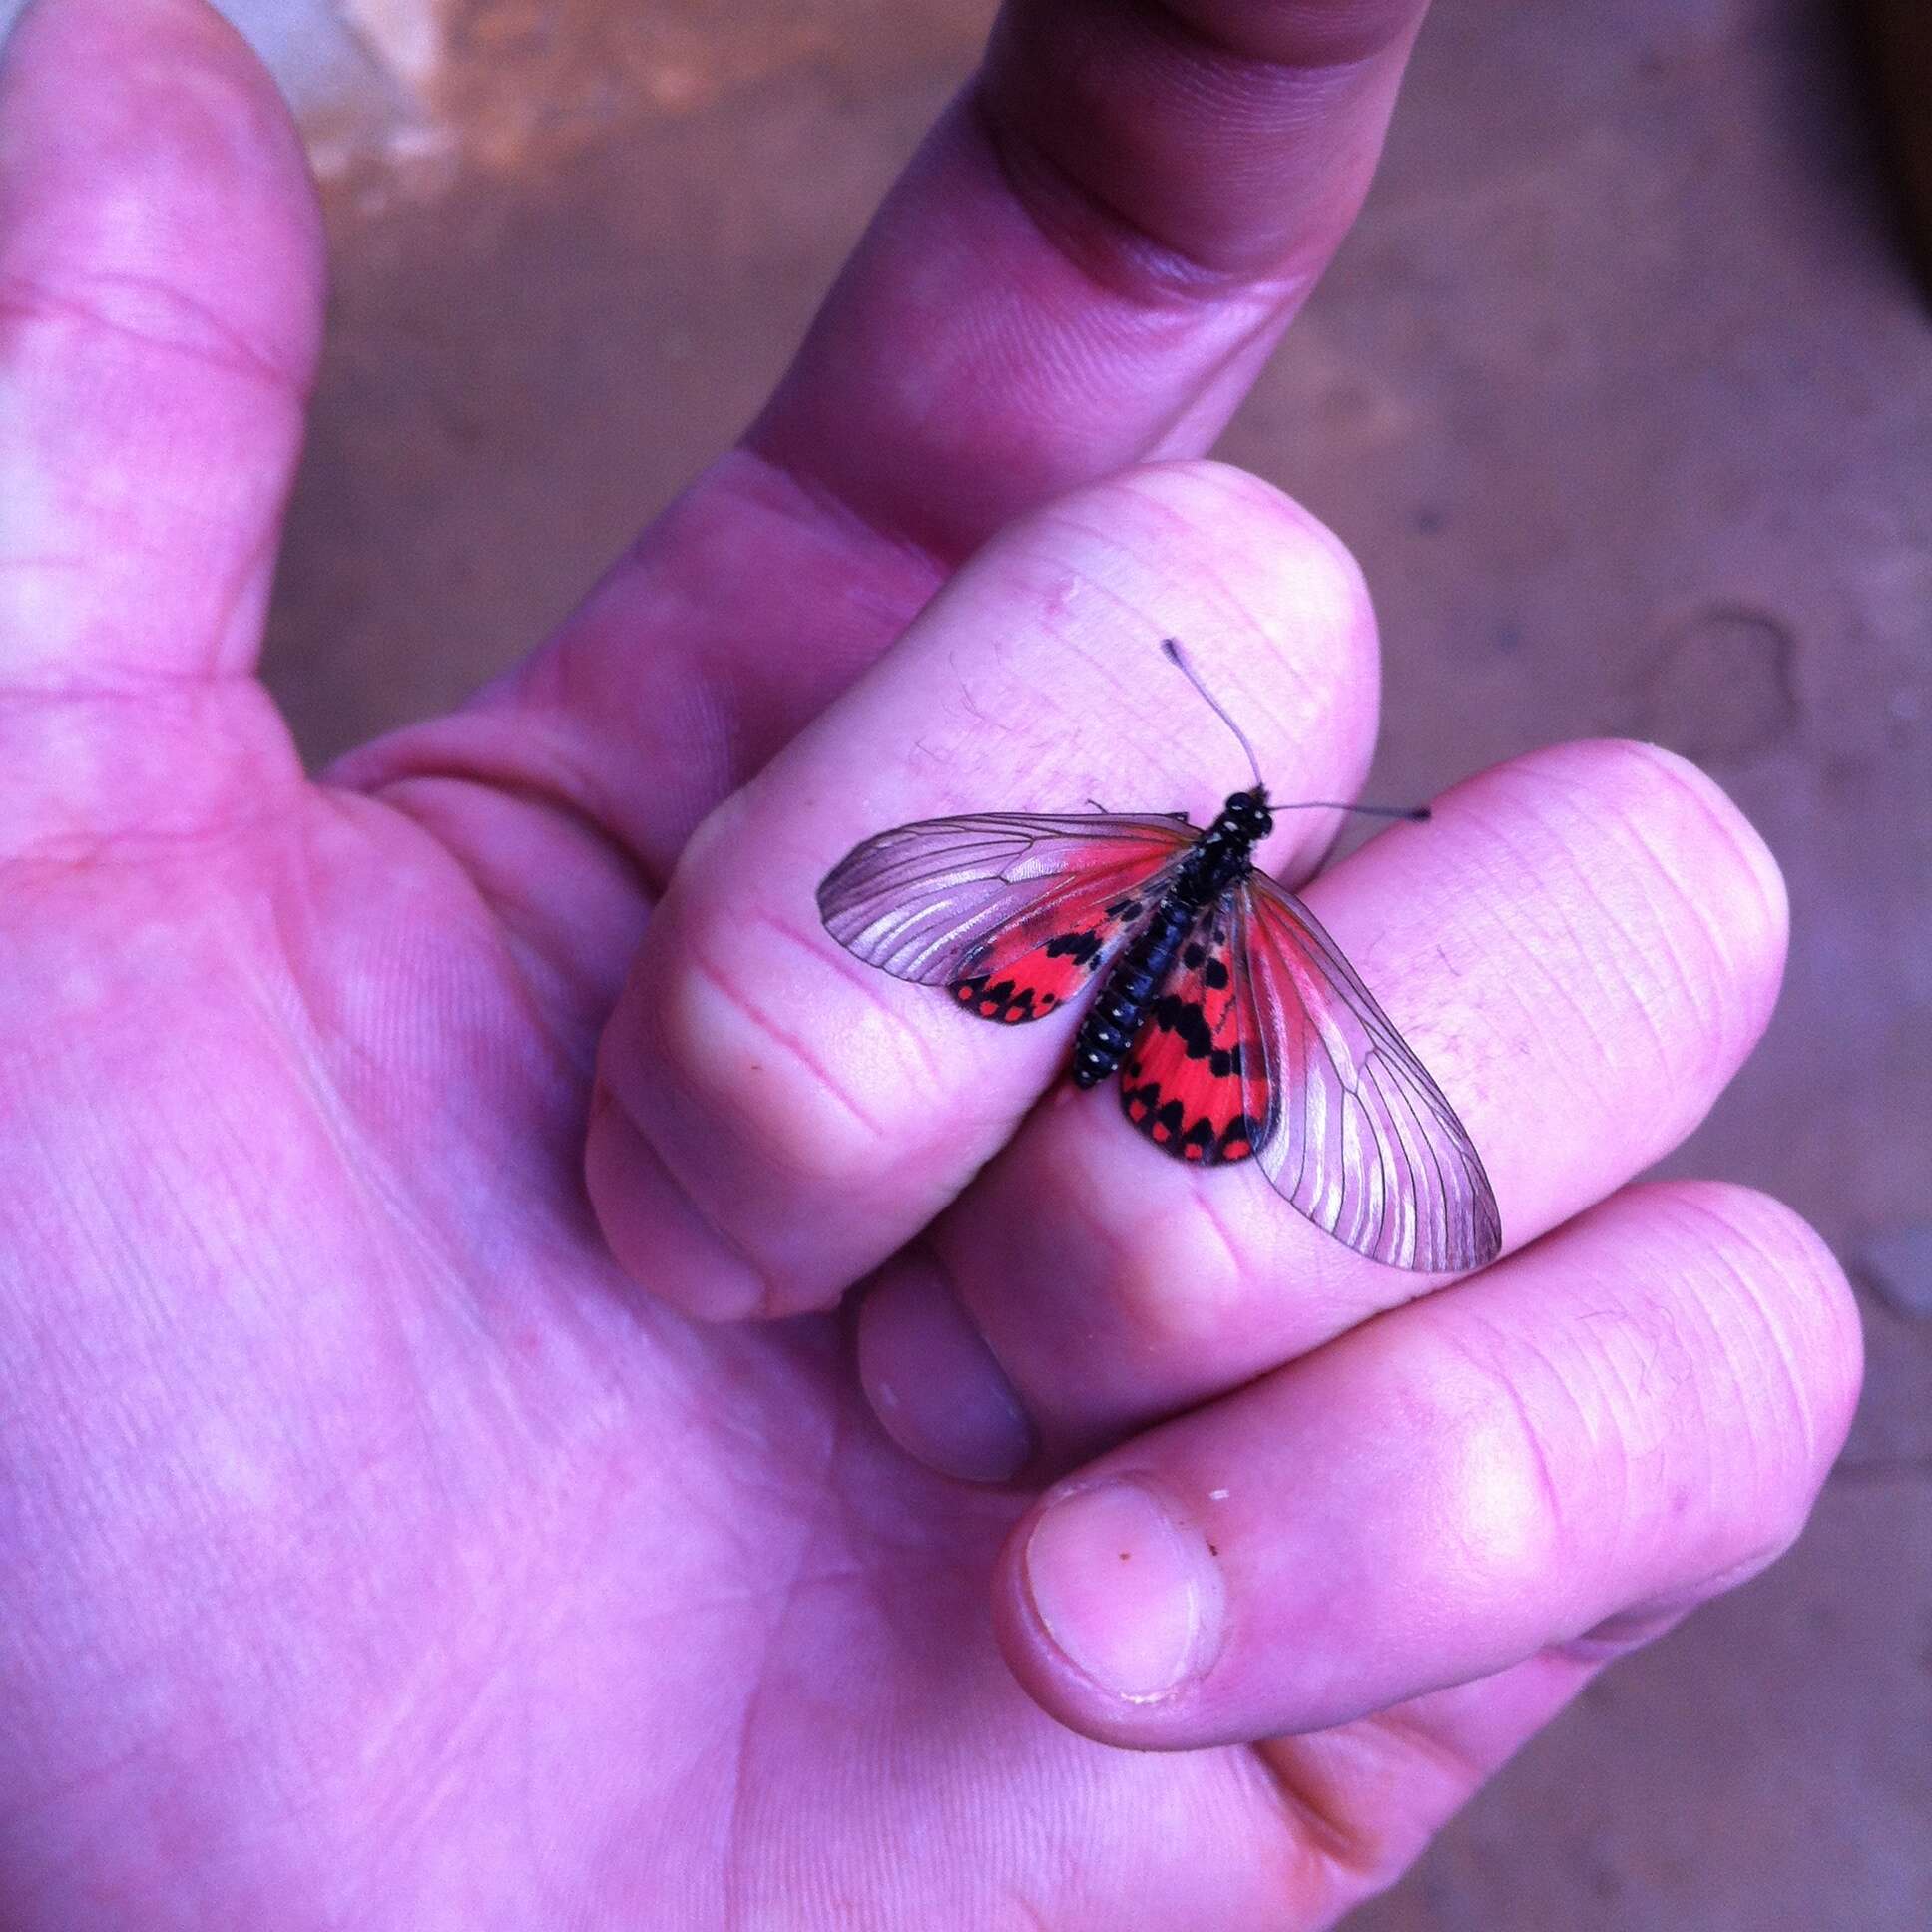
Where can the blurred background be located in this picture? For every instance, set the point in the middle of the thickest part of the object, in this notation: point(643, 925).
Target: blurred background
point(1623, 393)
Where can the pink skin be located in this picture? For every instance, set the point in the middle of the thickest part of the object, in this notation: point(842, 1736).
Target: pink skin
point(377, 1551)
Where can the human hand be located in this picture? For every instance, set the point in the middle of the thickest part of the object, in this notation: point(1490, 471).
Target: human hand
point(375, 1551)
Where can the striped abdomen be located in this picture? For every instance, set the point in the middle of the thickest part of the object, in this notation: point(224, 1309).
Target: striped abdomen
point(1115, 1014)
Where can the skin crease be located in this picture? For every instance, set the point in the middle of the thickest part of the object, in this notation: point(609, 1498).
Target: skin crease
point(378, 1551)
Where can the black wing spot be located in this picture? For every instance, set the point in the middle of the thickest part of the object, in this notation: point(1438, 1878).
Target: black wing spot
point(1192, 954)
point(1173, 1014)
point(1215, 973)
point(996, 1001)
point(1082, 948)
point(1197, 1142)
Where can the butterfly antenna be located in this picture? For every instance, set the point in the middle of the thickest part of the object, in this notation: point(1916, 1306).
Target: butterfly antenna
point(1415, 814)
point(1172, 646)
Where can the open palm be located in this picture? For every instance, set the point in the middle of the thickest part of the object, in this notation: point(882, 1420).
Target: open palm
point(377, 1553)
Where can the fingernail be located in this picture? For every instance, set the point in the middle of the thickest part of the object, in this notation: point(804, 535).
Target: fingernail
point(932, 1381)
point(1130, 1596)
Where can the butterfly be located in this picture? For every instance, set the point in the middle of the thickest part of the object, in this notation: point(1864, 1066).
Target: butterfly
point(1238, 1030)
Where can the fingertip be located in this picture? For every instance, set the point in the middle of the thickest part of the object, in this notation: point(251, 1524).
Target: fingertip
point(1703, 849)
point(1795, 1300)
point(146, 140)
point(1687, 911)
point(1294, 572)
point(654, 1232)
point(1695, 835)
point(162, 253)
point(934, 1385)
point(1112, 1608)
point(779, 1116)
point(1699, 811)
point(1269, 605)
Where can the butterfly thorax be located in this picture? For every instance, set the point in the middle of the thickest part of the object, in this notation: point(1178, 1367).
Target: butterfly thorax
point(1219, 860)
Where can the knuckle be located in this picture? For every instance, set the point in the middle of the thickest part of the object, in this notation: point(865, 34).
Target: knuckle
point(769, 1086)
point(1180, 1243)
point(1481, 1410)
point(1725, 1362)
point(749, 1042)
point(1304, 39)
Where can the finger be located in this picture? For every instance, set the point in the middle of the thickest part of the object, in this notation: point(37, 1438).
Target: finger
point(160, 310)
point(1085, 266)
point(1627, 1419)
point(1582, 947)
point(1091, 257)
point(806, 1114)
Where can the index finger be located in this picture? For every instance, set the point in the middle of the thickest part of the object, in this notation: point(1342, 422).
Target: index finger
point(1084, 264)
point(1091, 257)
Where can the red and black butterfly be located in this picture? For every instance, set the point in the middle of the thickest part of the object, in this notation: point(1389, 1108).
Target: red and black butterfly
point(1238, 1029)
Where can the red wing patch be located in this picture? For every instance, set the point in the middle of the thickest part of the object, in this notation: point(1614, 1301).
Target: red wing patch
point(1038, 964)
point(1194, 1081)
point(1014, 913)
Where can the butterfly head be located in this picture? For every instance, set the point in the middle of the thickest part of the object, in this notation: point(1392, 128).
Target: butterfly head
point(1246, 812)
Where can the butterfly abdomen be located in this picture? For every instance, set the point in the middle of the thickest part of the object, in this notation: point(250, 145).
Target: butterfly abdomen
point(1129, 989)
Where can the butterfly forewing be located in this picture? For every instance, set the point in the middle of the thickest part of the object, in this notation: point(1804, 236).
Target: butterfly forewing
point(1016, 913)
point(1359, 1139)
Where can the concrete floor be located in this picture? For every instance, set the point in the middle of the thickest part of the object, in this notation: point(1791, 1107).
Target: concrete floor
point(1623, 396)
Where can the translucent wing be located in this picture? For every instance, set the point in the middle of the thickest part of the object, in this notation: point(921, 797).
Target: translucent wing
point(1353, 1131)
point(1015, 913)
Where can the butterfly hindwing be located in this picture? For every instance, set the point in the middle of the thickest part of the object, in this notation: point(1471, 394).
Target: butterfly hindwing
point(1192, 1081)
point(1359, 1139)
point(1014, 913)
point(1049, 957)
